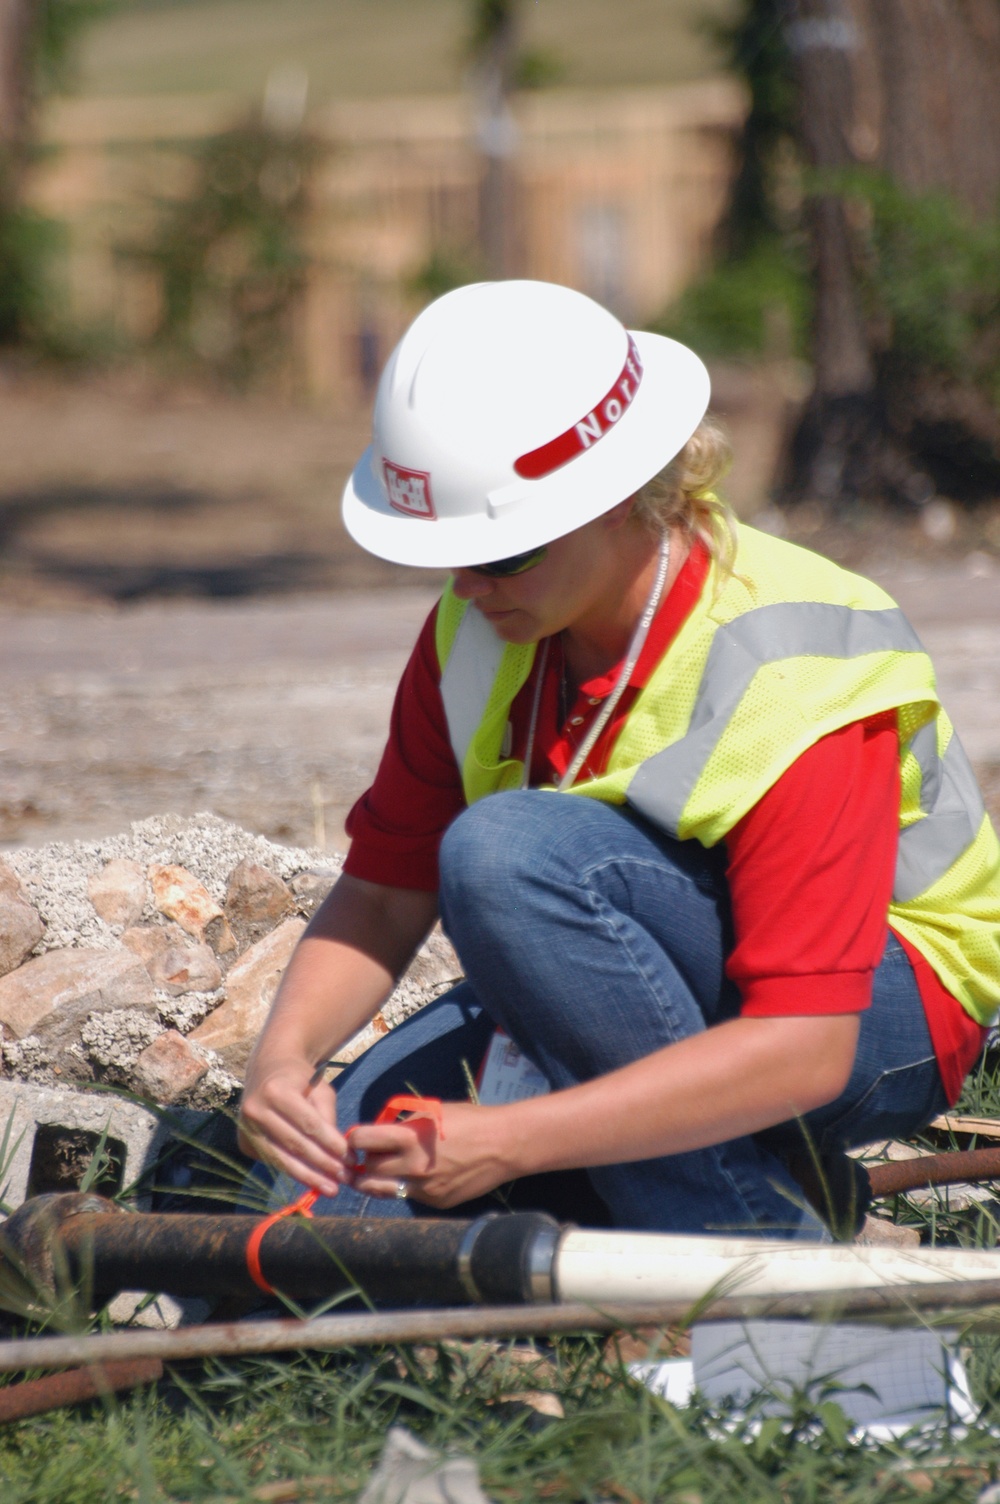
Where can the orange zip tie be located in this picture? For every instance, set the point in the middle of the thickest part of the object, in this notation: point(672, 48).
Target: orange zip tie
point(417, 1107)
point(303, 1206)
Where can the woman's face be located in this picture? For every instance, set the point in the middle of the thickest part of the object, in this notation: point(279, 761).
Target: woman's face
point(574, 581)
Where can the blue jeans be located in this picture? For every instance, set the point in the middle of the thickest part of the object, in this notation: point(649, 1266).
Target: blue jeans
point(594, 939)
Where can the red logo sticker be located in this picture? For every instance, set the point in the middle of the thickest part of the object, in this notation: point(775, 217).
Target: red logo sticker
point(409, 491)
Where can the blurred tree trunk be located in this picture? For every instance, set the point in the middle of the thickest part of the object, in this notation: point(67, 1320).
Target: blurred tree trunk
point(18, 24)
point(911, 88)
point(495, 50)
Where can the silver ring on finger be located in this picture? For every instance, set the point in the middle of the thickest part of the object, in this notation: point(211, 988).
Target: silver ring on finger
point(402, 1190)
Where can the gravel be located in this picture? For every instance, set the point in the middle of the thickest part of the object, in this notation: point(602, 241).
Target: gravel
point(56, 875)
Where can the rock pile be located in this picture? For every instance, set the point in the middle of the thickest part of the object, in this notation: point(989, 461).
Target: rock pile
point(149, 960)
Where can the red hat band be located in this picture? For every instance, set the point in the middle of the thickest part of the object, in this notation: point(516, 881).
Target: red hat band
point(591, 428)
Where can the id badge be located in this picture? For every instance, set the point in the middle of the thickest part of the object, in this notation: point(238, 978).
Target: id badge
point(507, 1075)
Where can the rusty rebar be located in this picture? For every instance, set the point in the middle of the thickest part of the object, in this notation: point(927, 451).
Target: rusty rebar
point(57, 1390)
point(955, 1168)
point(950, 1302)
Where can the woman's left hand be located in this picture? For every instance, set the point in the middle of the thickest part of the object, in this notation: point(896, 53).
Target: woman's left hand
point(438, 1169)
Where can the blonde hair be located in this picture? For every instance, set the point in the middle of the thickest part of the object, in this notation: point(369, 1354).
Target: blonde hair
point(682, 494)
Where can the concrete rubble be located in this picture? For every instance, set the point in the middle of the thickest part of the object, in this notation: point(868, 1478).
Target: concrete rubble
point(147, 962)
point(408, 1472)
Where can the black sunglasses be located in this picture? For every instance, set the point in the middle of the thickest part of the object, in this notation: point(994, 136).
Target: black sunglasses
point(502, 569)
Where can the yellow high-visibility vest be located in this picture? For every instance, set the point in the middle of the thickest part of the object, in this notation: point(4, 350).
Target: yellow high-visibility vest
point(778, 652)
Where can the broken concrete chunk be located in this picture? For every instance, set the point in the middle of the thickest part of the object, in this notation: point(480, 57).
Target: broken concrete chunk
point(134, 1133)
point(254, 895)
point(52, 995)
point(168, 1068)
point(877, 1232)
point(409, 1472)
point(180, 896)
point(219, 936)
point(21, 928)
point(253, 979)
point(118, 892)
point(176, 964)
point(186, 968)
point(147, 941)
point(10, 884)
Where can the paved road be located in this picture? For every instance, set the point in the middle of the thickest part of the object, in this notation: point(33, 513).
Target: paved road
point(272, 713)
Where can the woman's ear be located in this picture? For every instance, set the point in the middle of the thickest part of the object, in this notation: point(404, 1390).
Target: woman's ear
point(619, 514)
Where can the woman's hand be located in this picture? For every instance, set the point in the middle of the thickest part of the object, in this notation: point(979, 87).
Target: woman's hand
point(294, 1126)
point(357, 943)
point(440, 1169)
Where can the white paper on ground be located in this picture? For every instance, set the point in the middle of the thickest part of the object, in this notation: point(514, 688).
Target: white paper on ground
point(914, 1375)
point(507, 1075)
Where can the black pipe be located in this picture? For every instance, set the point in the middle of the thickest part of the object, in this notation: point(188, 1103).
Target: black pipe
point(495, 1260)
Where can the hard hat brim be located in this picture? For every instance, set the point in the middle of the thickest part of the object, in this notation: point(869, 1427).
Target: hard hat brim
point(667, 408)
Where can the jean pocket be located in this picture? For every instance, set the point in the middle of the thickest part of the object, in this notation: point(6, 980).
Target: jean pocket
point(896, 1104)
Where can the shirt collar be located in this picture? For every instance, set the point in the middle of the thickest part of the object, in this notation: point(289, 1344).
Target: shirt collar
point(667, 623)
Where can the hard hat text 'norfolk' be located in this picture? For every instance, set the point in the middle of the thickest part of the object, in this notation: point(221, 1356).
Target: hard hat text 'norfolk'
point(593, 426)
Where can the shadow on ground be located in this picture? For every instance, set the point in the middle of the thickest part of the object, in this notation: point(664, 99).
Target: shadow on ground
point(124, 543)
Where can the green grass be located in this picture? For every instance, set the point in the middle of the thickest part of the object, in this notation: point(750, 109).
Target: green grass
point(225, 1432)
point(357, 48)
point(242, 1432)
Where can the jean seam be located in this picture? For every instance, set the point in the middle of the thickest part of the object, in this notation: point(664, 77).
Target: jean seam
point(613, 921)
point(619, 863)
point(881, 1078)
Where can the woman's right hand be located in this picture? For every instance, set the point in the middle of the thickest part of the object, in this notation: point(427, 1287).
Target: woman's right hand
point(345, 965)
point(294, 1127)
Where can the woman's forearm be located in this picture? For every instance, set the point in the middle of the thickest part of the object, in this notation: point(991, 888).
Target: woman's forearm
point(345, 964)
point(734, 1079)
point(348, 960)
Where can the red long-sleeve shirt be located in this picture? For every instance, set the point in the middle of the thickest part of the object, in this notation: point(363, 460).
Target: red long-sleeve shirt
point(810, 867)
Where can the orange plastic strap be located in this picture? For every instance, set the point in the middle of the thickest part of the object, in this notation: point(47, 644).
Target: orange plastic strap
point(417, 1107)
point(303, 1206)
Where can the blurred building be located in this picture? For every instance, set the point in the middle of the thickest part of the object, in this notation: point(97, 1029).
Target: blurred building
point(616, 193)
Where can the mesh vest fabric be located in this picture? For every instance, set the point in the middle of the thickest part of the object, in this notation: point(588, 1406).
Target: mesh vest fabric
point(778, 652)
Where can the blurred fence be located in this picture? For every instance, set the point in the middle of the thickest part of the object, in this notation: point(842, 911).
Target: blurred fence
point(616, 193)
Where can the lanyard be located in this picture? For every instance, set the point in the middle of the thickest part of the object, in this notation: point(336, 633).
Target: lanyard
point(635, 648)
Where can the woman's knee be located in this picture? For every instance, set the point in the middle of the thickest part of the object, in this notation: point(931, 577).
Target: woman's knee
point(491, 847)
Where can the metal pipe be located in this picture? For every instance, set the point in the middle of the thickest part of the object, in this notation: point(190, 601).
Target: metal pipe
point(522, 1258)
point(956, 1168)
point(85, 1240)
point(895, 1306)
point(37, 1396)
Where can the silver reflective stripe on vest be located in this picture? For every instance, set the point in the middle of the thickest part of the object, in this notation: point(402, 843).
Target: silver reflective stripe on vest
point(664, 783)
point(954, 809)
point(468, 678)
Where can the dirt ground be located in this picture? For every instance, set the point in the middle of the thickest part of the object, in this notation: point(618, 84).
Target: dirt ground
point(186, 627)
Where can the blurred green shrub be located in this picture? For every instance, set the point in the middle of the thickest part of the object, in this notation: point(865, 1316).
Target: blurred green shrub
point(442, 272)
point(754, 300)
point(28, 242)
point(39, 61)
point(231, 255)
point(749, 307)
point(930, 274)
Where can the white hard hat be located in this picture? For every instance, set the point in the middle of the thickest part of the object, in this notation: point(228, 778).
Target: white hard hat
point(511, 413)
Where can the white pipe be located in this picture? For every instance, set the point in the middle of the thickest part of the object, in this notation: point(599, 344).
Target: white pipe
point(598, 1267)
